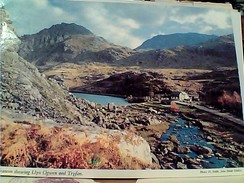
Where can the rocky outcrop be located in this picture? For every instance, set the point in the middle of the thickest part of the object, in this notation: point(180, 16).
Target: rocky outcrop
point(72, 147)
point(202, 150)
point(131, 83)
point(48, 38)
point(25, 89)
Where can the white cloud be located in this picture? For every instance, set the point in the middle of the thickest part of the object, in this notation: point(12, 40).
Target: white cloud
point(207, 29)
point(114, 28)
point(129, 23)
point(184, 19)
point(58, 11)
point(31, 16)
point(214, 18)
point(217, 18)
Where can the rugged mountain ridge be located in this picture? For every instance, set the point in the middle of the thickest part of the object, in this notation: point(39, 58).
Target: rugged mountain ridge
point(209, 55)
point(174, 40)
point(69, 43)
point(53, 35)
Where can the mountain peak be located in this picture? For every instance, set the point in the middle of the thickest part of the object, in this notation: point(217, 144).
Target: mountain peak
point(51, 36)
point(67, 28)
point(174, 40)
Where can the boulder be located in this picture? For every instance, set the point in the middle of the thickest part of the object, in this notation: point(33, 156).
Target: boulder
point(103, 143)
point(156, 135)
point(153, 111)
point(191, 161)
point(174, 139)
point(154, 159)
point(202, 150)
point(183, 149)
point(209, 138)
point(111, 107)
point(181, 165)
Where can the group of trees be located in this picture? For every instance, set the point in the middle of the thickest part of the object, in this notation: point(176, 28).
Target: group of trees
point(230, 101)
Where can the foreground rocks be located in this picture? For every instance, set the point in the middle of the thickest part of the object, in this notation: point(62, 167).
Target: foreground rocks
point(71, 146)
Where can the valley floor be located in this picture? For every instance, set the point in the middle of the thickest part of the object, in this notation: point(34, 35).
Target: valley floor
point(224, 141)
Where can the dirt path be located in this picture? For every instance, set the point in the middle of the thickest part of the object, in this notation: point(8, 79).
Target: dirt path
point(215, 112)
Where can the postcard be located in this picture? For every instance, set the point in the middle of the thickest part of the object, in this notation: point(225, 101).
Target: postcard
point(120, 90)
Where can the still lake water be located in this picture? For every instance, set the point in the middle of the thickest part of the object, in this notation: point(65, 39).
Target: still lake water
point(102, 99)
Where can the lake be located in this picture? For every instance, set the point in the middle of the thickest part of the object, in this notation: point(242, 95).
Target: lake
point(102, 99)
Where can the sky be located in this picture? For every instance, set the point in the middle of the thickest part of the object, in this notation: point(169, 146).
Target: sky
point(126, 24)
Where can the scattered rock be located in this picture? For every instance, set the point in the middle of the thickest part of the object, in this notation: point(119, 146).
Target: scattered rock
point(174, 139)
point(111, 107)
point(218, 155)
point(156, 135)
point(202, 150)
point(154, 159)
point(181, 165)
point(209, 138)
point(183, 150)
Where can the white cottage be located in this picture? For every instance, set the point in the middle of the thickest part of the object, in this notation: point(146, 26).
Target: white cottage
point(180, 96)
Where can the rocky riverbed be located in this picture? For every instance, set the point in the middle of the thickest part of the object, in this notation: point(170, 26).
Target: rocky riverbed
point(197, 142)
point(177, 141)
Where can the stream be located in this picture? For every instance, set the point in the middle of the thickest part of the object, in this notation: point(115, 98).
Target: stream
point(192, 135)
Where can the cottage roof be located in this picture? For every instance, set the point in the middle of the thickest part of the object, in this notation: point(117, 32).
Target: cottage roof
point(175, 93)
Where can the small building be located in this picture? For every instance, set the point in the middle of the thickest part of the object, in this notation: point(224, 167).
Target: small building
point(194, 97)
point(180, 96)
point(165, 100)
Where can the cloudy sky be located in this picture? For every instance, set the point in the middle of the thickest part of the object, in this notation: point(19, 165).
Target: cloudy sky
point(125, 24)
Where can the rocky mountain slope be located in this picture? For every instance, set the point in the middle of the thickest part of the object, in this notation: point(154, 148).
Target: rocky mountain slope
point(25, 89)
point(174, 40)
point(210, 55)
point(69, 43)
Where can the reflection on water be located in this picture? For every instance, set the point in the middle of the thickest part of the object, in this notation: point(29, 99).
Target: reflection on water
point(102, 99)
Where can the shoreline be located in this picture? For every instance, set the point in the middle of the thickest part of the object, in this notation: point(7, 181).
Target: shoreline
point(97, 93)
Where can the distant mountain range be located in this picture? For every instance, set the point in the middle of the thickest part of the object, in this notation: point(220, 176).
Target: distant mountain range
point(174, 40)
point(75, 44)
point(212, 54)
